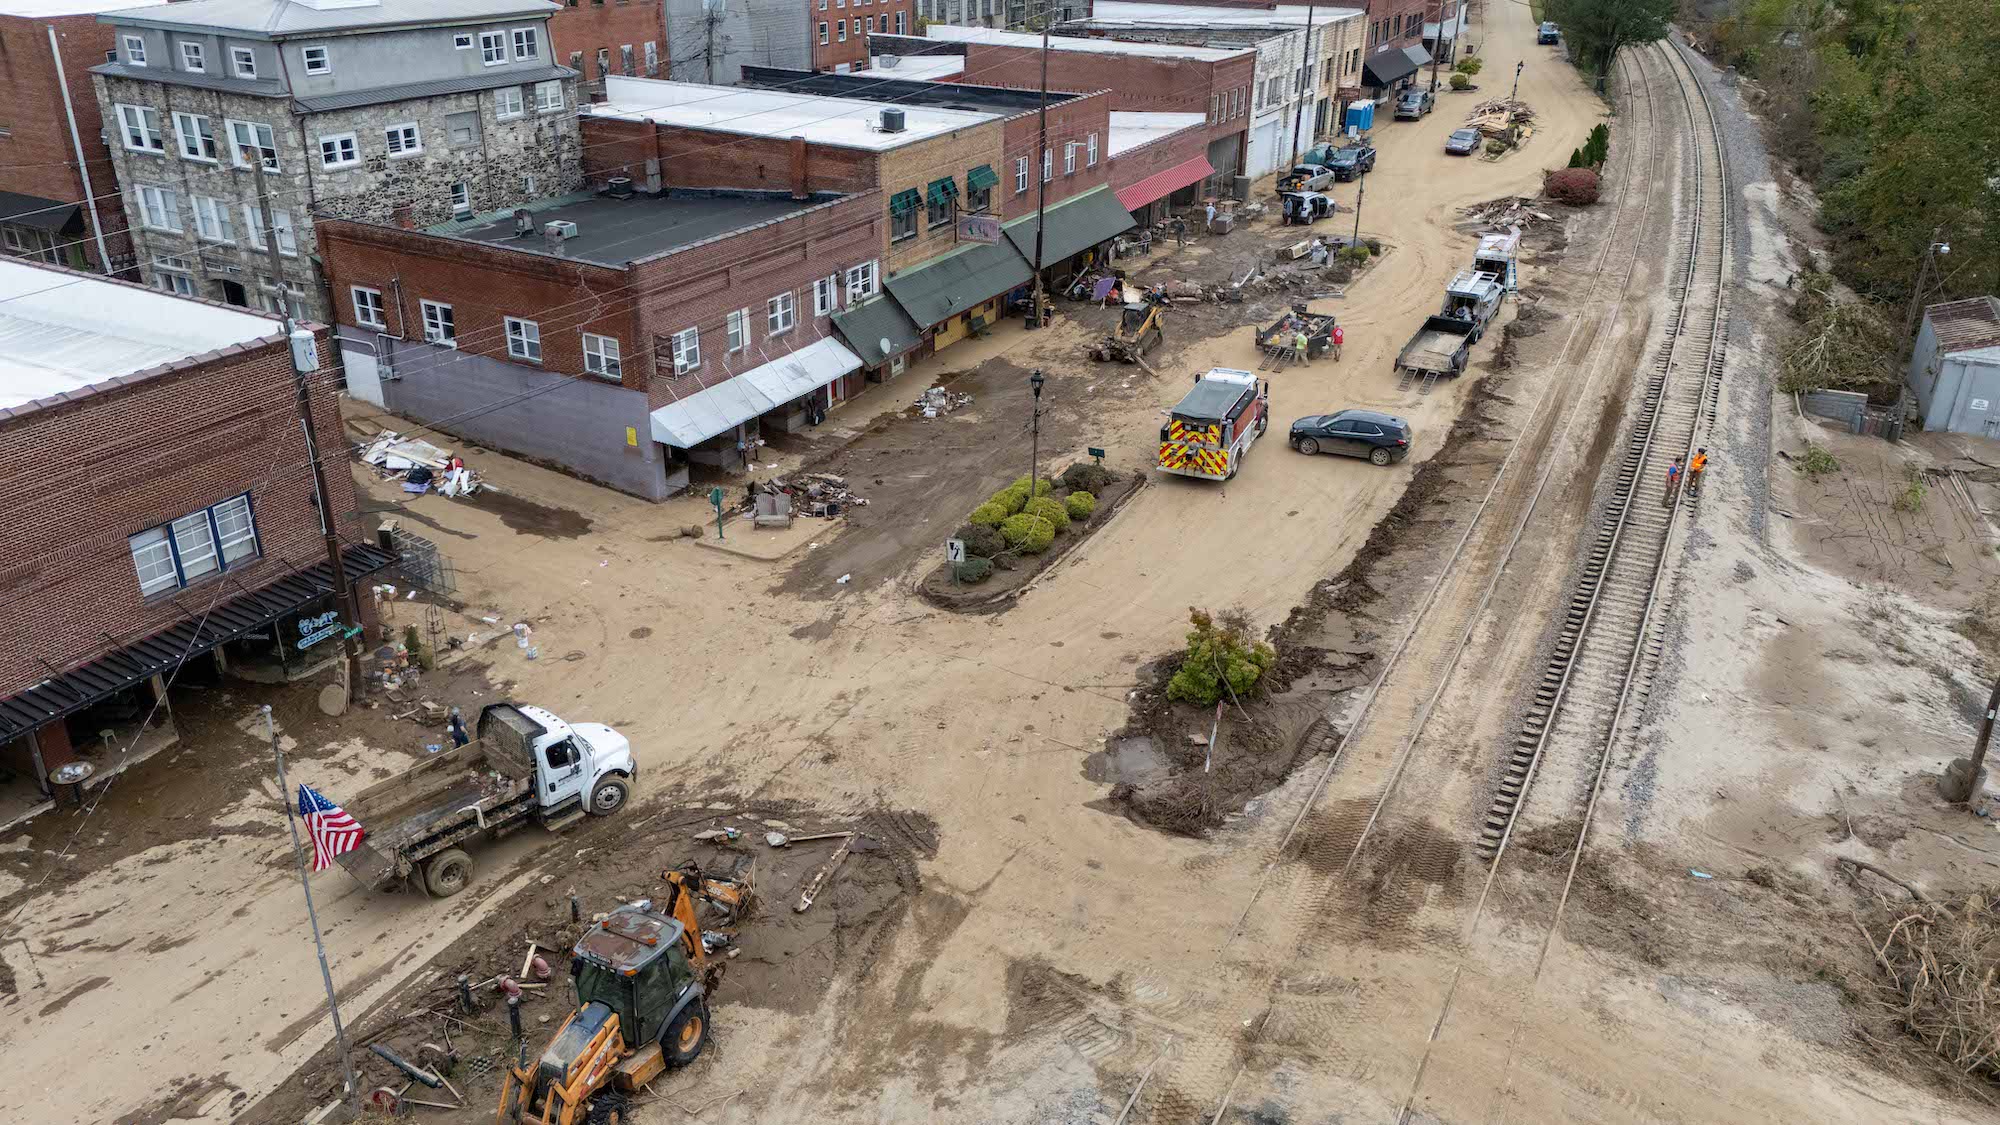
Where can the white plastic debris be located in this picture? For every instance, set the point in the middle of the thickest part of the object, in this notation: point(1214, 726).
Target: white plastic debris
point(843, 579)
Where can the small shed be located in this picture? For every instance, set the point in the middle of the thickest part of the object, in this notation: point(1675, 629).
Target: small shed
point(1955, 370)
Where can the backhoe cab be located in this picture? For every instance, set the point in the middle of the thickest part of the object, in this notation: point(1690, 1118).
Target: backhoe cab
point(642, 979)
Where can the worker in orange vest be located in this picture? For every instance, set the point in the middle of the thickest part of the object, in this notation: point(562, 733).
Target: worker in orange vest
point(1696, 467)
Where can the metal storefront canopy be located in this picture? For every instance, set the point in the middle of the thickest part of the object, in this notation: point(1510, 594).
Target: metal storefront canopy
point(687, 422)
point(981, 177)
point(944, 287)
point(52, 215)
point(1164, 183)
point(113, 672)
point(1386, 68)
point(866, 325)
point(1075, 225)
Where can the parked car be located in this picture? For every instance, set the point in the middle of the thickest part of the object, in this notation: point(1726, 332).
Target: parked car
point(1548, 33)
point(1352, 161)
point(1413, 104)
point(1306, 177)
point(1462, 142)
point(1382, 438)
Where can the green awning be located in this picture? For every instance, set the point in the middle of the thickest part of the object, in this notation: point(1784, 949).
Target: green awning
point(946, 286)
point(981, 177)
point(904, 201)
point(1075, 225)
point(942, 191)
point(866, 325)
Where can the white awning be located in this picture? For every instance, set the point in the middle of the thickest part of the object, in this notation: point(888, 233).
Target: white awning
point(690, 421)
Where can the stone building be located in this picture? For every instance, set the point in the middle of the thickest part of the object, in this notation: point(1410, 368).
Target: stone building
point(400, 111)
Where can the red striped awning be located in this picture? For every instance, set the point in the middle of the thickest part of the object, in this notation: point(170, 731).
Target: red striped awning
point(1159, 185)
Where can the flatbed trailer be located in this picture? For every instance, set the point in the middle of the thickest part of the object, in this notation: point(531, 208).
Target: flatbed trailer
point(1279, 342)
point(1440, 348)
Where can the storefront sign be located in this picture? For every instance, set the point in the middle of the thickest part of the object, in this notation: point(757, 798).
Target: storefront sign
point(979, 228)
point(313, 630)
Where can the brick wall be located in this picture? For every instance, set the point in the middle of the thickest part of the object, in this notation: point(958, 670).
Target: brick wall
point(1072, 122)
point(1133, 165)
point(79, 477)
point(861, 18)
point(913, 167)
point(1135, 83)
point(38, 158)
point(693, 158)
point(585, 27)
point(1396, 23)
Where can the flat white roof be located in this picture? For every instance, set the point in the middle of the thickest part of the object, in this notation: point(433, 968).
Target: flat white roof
point(50, 9)
point(842, 122)
point(1130, 130)
point(955, 34)
point(60, 332)
point(1108, 13)
point(918, 68)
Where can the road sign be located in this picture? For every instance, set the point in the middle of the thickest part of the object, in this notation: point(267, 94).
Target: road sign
point(715, 498)
point(1097, 453)
point(954, 551)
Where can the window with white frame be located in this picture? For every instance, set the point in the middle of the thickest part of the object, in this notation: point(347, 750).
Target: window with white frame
point(524, 339)
point(902, 23)
point(159, 208)
point(1091, 144)
point(461, 198)
point(823, 33)
point(192, 58)
point(507, 102)
point(1069, 158)
point(625, 59)
point(212, 219)
point(141, 127)
point(527, 42)
point(194, 546)
point(440, 327)
point(492, 47)
point(367, 307)
point(317, 60)
point(603, 61)
point(135, 50)
point(548, 96)
point(600, 356)
point(404, 139)
point(196, 136)
point(243, 62)
point(825, 295)
point(780, 314)
point(652, 53)
point(861, 282)
point(840, 30)
point(462, 41)
point(1048, 165)
point(252, 137)
point(339, 151)
point(687, 350)
point(1020, 175)
point(178, 283)
point(739, 330)
point(281, 222)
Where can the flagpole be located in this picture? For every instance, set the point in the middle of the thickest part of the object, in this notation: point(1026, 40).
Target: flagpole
point(325, 974)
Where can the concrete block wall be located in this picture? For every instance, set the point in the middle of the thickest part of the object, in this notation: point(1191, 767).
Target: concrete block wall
point(80, 476)
point(39, 155)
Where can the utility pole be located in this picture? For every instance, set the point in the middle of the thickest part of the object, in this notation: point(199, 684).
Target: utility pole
point(1962, 787)
point(1437, 47)
point(352, 1093)
point(1360, 189)
point(1516, 94)
point(305, 361)
point(1042, 170)
point(1926, 265)
point(1305, 83)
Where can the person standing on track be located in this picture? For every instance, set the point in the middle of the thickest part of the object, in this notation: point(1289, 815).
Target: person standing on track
point(1673, 482)
point(1696, 468)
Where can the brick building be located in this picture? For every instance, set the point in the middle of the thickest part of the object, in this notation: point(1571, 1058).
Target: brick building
point(355, 108)
point(599, 38)
point(630, 338)
point(1001, 15)
point(841, 29)
point(58, 191)
point(932, 153)
point(160, 508)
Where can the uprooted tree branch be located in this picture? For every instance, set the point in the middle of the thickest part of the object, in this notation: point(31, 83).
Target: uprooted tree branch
point(1842, 343)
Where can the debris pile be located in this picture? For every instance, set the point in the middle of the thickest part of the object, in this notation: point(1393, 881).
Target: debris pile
point(420, 465)
point(814, 494)
point(1941, 960)
point(1497, 117)
point(938, 400)
point(1511, 210)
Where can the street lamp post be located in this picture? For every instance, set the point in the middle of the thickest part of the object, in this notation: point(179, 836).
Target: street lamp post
point(1437, 45)
point(1035, 432)
point(1360, 189)
point(1516, 95)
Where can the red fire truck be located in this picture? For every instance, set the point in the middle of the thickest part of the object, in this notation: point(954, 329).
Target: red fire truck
point(1212, 429)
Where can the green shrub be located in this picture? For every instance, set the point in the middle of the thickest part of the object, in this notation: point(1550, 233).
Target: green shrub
point(1598, 146)
point(1084, 476)
point(1030, 535)
point(990, 514)
point(1460, 82)
point(1817, 461)
point(1576, 158)
point(1470, 64)
point(1496, 147)
point(1050, 509)
point(1374, 245)
point(1080, 505)
point(1010, 499)
point(1355, 254)
point(1220, 659)
point(974, 569)
point(981, 540)
point(1042, 487)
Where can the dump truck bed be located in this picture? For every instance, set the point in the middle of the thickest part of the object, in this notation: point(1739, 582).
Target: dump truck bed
point(1437, 345)
point(442, 789)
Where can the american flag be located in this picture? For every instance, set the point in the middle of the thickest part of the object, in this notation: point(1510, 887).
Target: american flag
point(333, 832)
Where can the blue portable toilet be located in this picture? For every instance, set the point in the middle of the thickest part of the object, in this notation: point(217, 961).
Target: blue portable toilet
point(1361, 115)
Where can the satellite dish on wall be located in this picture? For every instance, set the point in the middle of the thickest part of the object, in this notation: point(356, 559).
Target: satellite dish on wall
point(885, 345)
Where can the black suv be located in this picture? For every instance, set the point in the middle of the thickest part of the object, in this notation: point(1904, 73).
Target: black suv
point(1350, 162)
point(1382, 438)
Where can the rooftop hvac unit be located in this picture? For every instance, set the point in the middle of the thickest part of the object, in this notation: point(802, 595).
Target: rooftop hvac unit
point(618, 187)
point(888, 62)
point(560, 228)
point(524, 222)
point(892, 121)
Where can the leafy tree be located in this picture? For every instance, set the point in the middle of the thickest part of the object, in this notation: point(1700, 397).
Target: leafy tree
point(1220, 660)
point(1596, 29)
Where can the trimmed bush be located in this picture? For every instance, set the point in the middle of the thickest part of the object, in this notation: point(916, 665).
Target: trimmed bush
point(1374, 245)
point(1080, 505)
point(990, 514)
point(1597, 146)
point(1470, 64)
point(1220, 659)
point(1030, 535)
point(1461, 82)
point(1574, 186)
point(1576, 158)
point(974, 569)
point(981, 540)
point(1042, 487)
point(1355, 254)
point(1496, 147)
point(1085, 476)
point(1050, 509)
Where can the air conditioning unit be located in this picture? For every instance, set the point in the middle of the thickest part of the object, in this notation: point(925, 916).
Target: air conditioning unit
point(560, 228)
point(618, 187)
point(892, 121)
point(888, 62)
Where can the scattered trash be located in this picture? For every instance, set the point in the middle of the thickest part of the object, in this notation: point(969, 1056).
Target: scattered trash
point(719, 834)
point(420, 465)
point(843, 579)
point(1700, 874)
point(937, 400)
point(433, 748)
point(814, 494)
point(776, 839)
